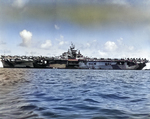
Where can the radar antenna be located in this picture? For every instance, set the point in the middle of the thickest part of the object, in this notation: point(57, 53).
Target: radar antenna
point(72, 46)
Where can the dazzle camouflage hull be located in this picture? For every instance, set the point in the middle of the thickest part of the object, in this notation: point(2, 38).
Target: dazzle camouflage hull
point(73, 59)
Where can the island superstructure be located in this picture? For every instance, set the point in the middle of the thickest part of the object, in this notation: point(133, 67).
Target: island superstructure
point(73, 59)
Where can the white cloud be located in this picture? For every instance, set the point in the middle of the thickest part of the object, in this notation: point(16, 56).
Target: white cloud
point(61, 37)
point(110, 46)
point(120, 2)
point(46, 45)
point(26, 38)
point(131, 48)
point(94, 40)
point(61, 42)
point(56, 27)
point(88, 44)
point(102, 54)
point(120, 41)
point(141, 53)
point(19, 3)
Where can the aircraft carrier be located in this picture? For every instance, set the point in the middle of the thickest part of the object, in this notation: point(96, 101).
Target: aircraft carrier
point(73, 59)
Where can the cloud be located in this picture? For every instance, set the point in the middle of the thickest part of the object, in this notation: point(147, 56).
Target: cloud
point(88, 44)
point(102, 54)
point(131, 48)
point(120, 41)
point(2, 43)
point(94, 40)
point(62, 37)
point(19, 3)
point(116, 49)
point(110, 46)
point(46, 45)
point(86, 15)
point(56, 27)
point(26, 38)
point(119, 2)
point(61, 42)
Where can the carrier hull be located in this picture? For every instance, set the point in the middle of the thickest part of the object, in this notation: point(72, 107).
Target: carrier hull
point(111, 65)
point(73, 60)
point(80, 64)
point(17, 64)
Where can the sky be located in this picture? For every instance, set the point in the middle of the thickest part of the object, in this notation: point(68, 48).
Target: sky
point(98, 28)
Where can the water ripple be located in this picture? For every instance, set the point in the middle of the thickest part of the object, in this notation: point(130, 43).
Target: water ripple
point(74, 94)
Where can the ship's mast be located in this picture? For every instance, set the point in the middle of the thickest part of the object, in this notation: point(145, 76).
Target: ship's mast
point(73, 51)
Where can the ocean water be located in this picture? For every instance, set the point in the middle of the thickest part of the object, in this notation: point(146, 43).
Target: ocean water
point(74, 94)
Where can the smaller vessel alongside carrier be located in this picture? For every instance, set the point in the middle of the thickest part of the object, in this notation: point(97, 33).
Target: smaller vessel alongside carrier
point(73, 59)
